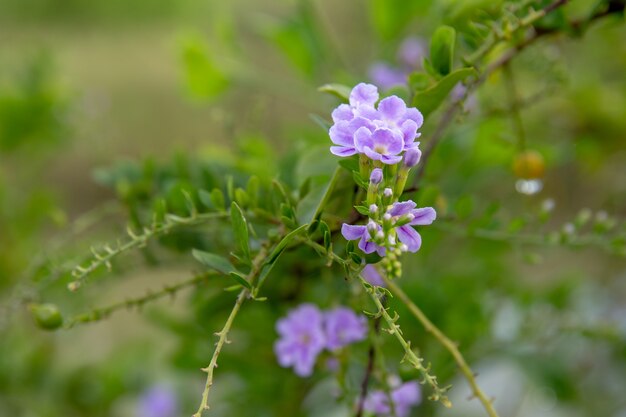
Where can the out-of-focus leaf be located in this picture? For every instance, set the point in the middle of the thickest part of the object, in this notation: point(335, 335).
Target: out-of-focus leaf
point(442, 49)
point(428, 100)
point(203, 77)
point(338, 90)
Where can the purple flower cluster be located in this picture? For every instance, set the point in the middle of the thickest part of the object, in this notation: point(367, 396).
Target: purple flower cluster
point(400, 217)
point(380, 132)
point(403, 396)
point(307, 331)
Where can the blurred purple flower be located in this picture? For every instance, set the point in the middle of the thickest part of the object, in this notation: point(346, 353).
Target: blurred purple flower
point(404, 397)
point(386, 76)
point(416, 216)
point(158, 401)
point(301, 339)
point(371, 275)
point(411, 52)
point(343, 326)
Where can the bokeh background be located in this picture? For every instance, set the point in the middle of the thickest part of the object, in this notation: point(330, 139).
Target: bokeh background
point(95, 96)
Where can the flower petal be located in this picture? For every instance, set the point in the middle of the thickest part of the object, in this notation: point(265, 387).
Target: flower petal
point(352, 232)
point(363, 139)
point(342, 112)
point(423, 216)
point(409, 237)
point(343, 150)
point(392, 108)
point(341, 134)
point(367, 246)
point(363, 94)
point(402, 208)
point(409, 132)
point(413, 114)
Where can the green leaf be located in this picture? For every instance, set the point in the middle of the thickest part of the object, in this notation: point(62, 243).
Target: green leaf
point(241, 197)
point(213, 261)
point(217, 198)
point(240, 229)
point(428, 100)
point(205, 198)
point(338, 90)
point(362, 210)
point(204, 79)
point(278, 250)
point(419, 81)
point(241, 279)
point(351, 164)
point(442, 49)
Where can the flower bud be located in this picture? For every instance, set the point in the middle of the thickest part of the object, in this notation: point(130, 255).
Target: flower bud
point(47, 316)
point(529, 165)
point(387, 217)
point(376, 176)
point(387, 192)
point(412, 157)
point(373, 209)
point(403, 247)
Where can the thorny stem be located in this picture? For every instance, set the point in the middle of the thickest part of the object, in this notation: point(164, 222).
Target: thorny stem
point(446, 342)
point(439, 393)
point(98, 314)
point(171, 222)
point(257, 266)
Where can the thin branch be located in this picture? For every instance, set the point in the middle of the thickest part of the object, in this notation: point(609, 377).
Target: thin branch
point(104, 312)
point(439, 393)
point(106, 255)
point(257, 266)
point(447, 343)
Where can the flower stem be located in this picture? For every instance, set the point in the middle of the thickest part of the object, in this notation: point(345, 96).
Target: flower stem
point(446, 342)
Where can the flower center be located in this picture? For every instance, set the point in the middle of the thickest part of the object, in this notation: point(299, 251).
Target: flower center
point(381, 149)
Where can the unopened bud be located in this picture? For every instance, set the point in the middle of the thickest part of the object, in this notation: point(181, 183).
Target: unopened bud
point(376, 176)
point(387, 217)
point(373, 209)
point(387, 192)
point(403, 247)
point(412, 157)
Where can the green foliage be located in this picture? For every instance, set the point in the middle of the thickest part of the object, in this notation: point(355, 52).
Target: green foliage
point(204, 79)
point(442, 49)
point(428, 100)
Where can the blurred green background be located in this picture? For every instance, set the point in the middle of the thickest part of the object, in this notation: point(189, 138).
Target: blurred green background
point(100, 98)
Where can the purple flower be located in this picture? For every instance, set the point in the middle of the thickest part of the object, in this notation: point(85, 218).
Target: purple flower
point(354, 232)
point(380, 133)
point(343, 326)
point(393, 114)
point(371, 275)
point(404, 397)
point(417, 217)
point(382, 145)
point(158, 401)
point(411, 52)
point(386, 76)
point(301, 339)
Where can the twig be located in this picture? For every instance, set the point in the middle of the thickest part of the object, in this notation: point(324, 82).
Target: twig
point(104, 258)
point(446, 342)
point(104, 312)
point(257, 266)
point(439, 394)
